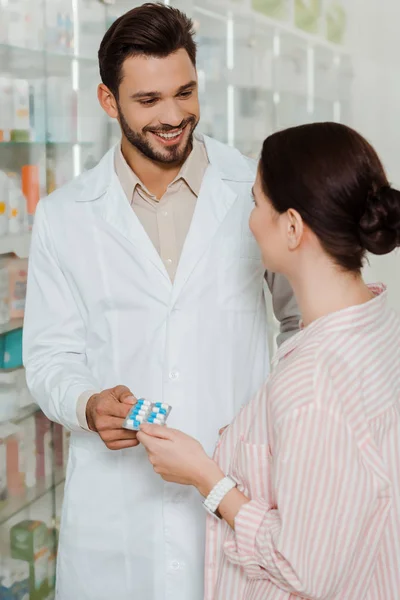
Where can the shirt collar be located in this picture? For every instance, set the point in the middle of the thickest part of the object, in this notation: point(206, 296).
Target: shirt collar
point(360, 315)
point(192, 171)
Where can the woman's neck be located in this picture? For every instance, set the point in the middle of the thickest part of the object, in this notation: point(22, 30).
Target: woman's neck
point(321, 288)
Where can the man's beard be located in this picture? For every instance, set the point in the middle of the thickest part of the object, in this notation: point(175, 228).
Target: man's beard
point(171, 155)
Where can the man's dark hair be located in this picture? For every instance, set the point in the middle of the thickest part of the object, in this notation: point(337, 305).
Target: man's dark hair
point(147, 30)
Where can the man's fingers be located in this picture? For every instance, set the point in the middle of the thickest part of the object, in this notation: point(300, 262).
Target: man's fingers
point(122, 444)
point(124, 394)
point(115, 435)
point(114, 409)
point(107, 423)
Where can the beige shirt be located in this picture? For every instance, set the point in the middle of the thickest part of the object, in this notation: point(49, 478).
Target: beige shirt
point(167, 221)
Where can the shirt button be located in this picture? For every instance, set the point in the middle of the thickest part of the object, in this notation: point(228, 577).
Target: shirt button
point(174, 375)
point(168, 261)
point(165, 213)
point(175, 565)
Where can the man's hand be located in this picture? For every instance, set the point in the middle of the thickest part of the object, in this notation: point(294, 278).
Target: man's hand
point(105, 413)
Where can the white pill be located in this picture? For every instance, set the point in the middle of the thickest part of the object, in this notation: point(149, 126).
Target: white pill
point(142, 412)
point(139, 419)
point(159, 420)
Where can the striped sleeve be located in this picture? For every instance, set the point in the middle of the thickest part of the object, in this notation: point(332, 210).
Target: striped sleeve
point(326, 496)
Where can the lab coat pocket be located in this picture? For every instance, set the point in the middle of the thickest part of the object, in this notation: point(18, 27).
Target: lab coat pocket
point(251, 468)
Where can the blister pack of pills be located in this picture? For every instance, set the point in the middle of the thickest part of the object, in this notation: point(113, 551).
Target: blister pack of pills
point(145, 411)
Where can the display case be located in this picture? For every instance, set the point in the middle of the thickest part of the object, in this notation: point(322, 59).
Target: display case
point(262, 65)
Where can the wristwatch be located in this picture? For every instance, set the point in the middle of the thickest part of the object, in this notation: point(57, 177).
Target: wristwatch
point(217, 494)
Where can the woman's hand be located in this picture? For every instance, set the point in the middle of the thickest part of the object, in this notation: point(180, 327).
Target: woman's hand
point(179, 458)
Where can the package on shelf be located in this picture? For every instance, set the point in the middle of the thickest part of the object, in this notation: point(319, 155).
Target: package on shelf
point(307, 15)
point(53, 545)
point(22, 23)
point(14, 579)
point(11, 439)
point(4, 292)
point(336, 21)
point(277, 9)
point(8, 401)
point(6, 108)
point(44, 447)
point(28, 449)
point(31, 190)
point(15, 203)
point(37, 109)
point(17, 281)
point(61, 102)
point(3, 469)
point(11, 350)
point(29, 541)
point(59, 26)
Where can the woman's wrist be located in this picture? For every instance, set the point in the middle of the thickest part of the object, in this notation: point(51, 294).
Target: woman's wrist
point(208, 476)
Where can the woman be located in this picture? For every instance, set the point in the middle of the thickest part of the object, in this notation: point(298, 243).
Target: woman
point(311, 507)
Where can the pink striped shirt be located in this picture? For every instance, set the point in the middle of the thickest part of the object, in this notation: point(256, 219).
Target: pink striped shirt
point(318, 453)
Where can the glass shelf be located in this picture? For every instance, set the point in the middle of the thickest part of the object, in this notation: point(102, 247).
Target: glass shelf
point(16, 244)
point(12, 506)
point(11, 326)
point(31, 62)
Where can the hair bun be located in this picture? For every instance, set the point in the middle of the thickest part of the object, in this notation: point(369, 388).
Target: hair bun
point(379, 226)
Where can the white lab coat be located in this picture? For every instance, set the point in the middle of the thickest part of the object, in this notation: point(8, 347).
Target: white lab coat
point(101, 311)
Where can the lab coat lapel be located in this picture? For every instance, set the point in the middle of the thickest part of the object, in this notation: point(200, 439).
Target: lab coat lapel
point(214, 202)
point(110, 203)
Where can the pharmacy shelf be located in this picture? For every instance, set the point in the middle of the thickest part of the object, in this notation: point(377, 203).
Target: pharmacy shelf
point(23, 62)
point(11, 326)
point(12, 506)
point(16, 244)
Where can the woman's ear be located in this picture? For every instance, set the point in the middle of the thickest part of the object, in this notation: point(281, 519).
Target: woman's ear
point(295, 229)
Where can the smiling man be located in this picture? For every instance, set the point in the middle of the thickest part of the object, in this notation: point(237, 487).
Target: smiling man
point(145, 280)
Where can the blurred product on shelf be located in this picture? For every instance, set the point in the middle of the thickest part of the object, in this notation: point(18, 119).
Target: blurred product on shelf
point(11, 350)
point(16, 204)
point(4, 292)
point(17, 282)
point(15, 111)
point(19, 196)
point(336, 22)
point(12, 435)
point(13, 282)
point(307, 15)
point(22, 24)
point(59, 27)
point(277, 9)
point(31, 190)
point(14, 579)
point(29, 541)
point(44, 447)
point(62, 110)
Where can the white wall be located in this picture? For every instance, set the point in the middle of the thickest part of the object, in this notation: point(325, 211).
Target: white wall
point(375, 42)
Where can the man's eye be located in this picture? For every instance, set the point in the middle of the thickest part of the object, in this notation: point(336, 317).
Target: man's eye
point(148, 102)
point(186, 94)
